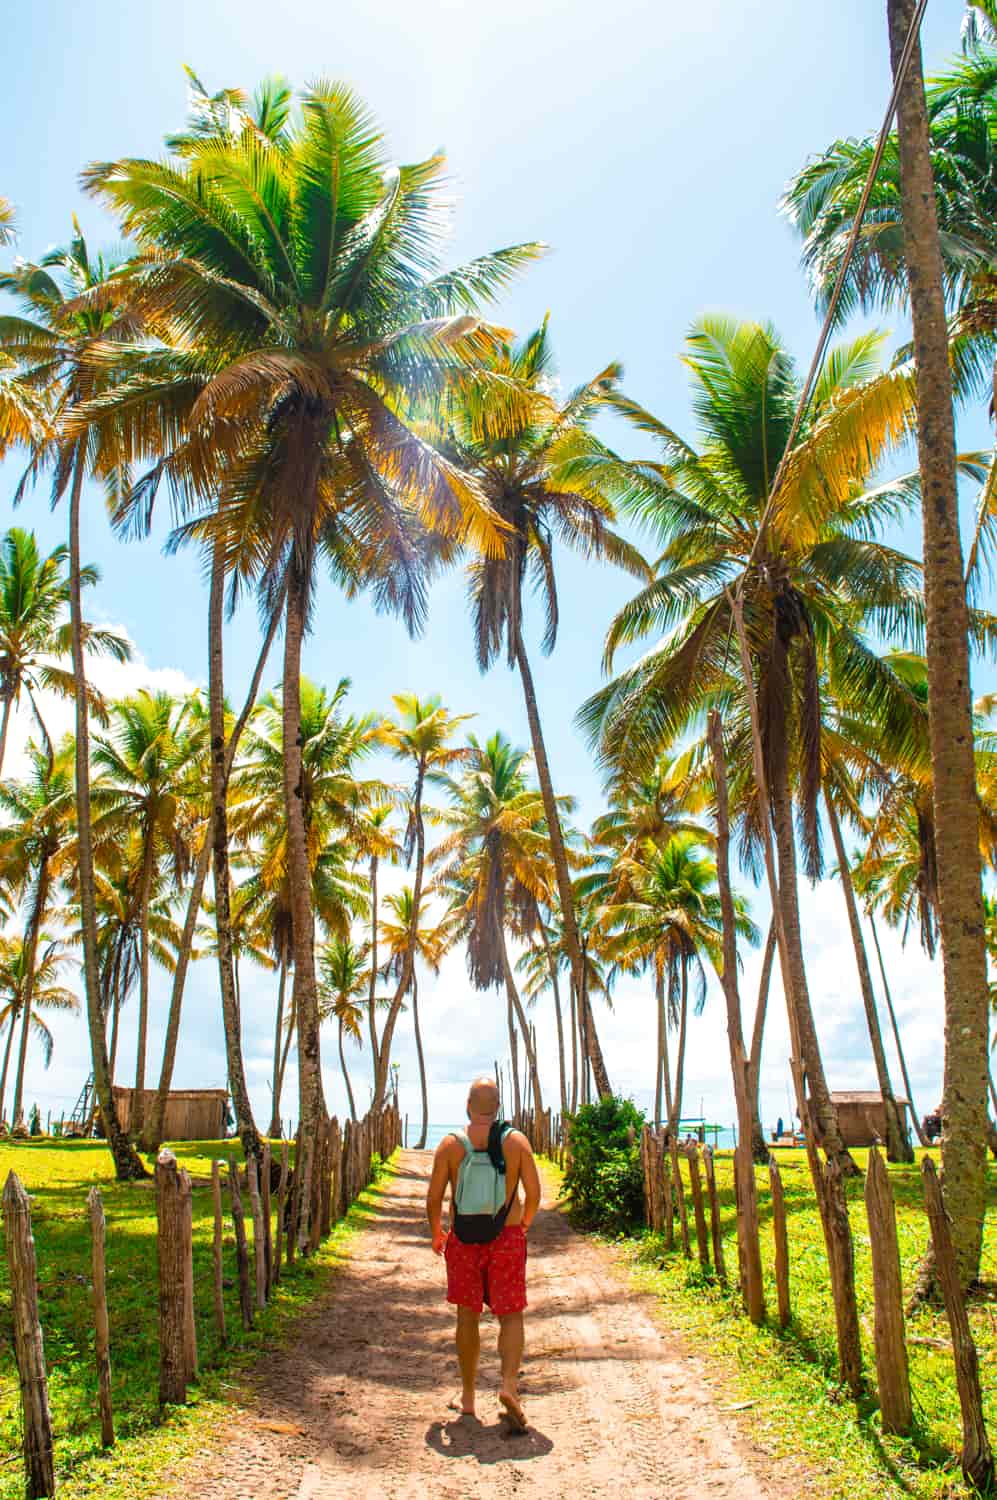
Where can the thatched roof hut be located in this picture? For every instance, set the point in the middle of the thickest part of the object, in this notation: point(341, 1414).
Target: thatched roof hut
point(191, 1114)
point(861, 1116)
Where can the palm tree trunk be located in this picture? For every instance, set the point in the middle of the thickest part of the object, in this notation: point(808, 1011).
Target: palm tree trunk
point(245, 1124)
point(30, 950)
point(559, 856)
point(8, 705)
point(552, 971)
point(408, 958)
point(740, 1064)
point(898, 1146)
point(531, 1057)
point(288, 1039)
point(821, 1106)
point(115, 1019)
point(950, 719)
point(517, 1102)
point(154, 1125)
point(675, 1113)
point(346, 1073)
point(145, 891)
point(421, 1142)
point(372, 991)
point(584, 1015)
point(901, 1058)
point(659, 1068)
point(127, 1164)
point(275, 1129)
point(14, 1013)
point(574, 1048)
point(759, 1150)
point(311, 1108)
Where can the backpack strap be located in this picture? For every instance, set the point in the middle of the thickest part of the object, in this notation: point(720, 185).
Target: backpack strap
point(465, 1141)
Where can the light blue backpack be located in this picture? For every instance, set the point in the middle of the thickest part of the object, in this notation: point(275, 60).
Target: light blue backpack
point(480, 1202)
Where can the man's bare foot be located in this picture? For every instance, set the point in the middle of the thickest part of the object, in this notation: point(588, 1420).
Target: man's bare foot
point(463, 1404)
point(513, 1410)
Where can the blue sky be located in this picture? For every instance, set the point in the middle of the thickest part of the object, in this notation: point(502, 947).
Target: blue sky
point(648, 147)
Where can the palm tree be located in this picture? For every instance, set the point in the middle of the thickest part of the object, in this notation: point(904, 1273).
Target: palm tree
point(8, 221)
point(46, 994)
point(667, 917)
point(119, 928)
point(919, 267)
point(421, 734)
point(34, 596)
point(343, 967)
point(148, 781)
point(374, 837)
point(38, 848)
point(335, 800)
point(950, 721)
point(496, 867)
point(433, 941)
point(311, 293)
point(548, 479)
point(808, 578)
point(70, 315)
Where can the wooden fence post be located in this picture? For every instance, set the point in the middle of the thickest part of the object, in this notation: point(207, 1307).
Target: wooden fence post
point(977, 1459)
point(102, 1339)
point(171, 1238)
point(216, 1251)
point(259, 1249)
point(318, 1177)
point(781, 1237)
point(645, 1149)
point(189, 1324)
point(680, 1195)
point(335, 1168)
point(266, 1172)
point(285, 1150)
point(28, 1344)
point(667, 1192)
point(241, 1253)
point(841, 1258)
point(695, 1182)
point(892, 1370)
point(715, 1232)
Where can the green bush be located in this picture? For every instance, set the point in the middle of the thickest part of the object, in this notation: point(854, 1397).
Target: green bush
point(604, 1175)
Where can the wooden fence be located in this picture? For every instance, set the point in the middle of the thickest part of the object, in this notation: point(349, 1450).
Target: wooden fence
point(665, 1200)
point(340, 1164)
point(546, 1135)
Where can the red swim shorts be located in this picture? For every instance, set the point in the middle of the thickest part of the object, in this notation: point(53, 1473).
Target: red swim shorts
point(494, 1273)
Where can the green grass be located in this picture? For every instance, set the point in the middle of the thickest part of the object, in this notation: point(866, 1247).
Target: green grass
point(798, 1409)
point(58, 1176)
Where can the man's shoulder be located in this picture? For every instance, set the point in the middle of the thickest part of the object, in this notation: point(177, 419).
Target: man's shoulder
point(449, 1146)
point(517, 1140)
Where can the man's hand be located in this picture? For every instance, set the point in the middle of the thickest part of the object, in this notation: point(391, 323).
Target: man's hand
point(439, 1241)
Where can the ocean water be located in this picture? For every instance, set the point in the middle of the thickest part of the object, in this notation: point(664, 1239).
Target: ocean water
point(725, 1139)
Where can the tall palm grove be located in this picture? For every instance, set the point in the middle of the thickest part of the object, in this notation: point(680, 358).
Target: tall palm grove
point(283, 358)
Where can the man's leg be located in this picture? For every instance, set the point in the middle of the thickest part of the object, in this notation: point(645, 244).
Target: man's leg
point(468, 1348)
point(512, 1341)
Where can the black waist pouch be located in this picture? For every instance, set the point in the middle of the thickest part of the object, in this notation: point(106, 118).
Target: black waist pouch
point(480, 1229)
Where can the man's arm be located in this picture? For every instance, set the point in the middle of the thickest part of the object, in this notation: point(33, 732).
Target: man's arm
point(530, 1178)
point(438, 1180)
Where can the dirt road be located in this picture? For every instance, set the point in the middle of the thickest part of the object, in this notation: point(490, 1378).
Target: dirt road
point(357, 1404)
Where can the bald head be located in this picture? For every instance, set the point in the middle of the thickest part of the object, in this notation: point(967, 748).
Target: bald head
point(483, 1099)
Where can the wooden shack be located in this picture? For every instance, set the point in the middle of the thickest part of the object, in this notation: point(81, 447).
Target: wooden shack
point(862, 1118)
point(191, 1114)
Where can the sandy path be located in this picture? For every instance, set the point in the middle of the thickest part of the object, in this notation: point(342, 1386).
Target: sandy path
point(356, 1406)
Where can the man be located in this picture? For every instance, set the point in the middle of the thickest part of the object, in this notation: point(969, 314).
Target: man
point(495, 1271)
